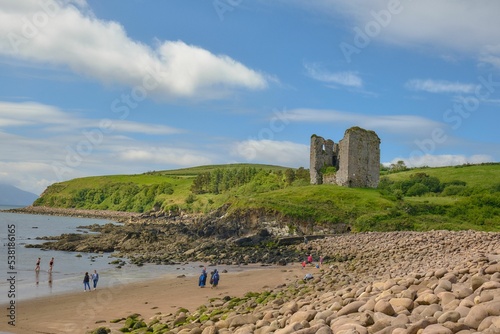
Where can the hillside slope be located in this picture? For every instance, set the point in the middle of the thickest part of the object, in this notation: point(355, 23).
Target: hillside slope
point(454, 198)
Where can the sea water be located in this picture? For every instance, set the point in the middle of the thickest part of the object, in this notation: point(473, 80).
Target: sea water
point(69, 267)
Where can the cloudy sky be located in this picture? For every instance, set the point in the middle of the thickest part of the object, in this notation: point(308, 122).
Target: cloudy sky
point(122, 87)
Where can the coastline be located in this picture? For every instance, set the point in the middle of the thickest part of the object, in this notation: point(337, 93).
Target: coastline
point(79, 312)
point(371, 282)
point(119, 216)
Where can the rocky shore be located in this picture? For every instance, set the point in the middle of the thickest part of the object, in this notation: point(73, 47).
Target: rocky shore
point(161, 239)
point(118, 216)
point(438, 282)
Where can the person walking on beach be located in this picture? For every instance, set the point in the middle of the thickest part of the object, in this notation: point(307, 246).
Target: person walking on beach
point(51, 265)
point(37, 267)
point(215, 279)
point(95, 279)
point(86, 282)
point(310, 259)
point(203, 278)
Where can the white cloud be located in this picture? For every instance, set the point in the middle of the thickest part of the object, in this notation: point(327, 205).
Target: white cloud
point(398, 124)
point(69, 35)
point(52, 119)
point(490, 54)
point(347, 78)
point(28, 176)
point(31, 113)
point(283, 153)
point(492, 101)
point(463, 26)
point(122, 126)
point(52, 145)
point(442, 160)
point(164, 155)
point(34, 163)
point(440, 86)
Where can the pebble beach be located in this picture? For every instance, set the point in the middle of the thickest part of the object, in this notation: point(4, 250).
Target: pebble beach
point(394, 282)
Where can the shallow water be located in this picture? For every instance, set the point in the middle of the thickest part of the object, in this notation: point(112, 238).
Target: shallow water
point(69, 267)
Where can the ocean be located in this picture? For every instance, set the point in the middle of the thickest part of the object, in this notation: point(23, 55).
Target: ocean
point(69, 267)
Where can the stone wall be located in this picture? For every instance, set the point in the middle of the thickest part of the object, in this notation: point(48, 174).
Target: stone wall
point(356, 158)
point(321, 154)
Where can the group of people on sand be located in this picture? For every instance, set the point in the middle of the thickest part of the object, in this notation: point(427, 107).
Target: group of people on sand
point(214, 278)
point(51, 265)
point(86, 280)
point(310, 261)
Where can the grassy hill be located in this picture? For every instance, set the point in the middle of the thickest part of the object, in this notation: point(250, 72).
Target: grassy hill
point(482, 175)
point(461, 197)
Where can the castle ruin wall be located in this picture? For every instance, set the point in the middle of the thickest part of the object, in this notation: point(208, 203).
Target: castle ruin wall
point(356, 158)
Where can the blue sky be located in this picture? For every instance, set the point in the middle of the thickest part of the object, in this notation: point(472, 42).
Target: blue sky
point(123, 87)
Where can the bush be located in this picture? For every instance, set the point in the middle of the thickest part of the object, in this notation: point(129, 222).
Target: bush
point(190, 199)
point(495, 188)
point(453, 190)
point(398, 194)
point(431, 182)
point(418, 189)
point(330, 170)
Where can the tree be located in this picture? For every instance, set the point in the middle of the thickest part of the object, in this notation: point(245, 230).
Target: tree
point(398, 166)
point(302, 174)
point(289, 176)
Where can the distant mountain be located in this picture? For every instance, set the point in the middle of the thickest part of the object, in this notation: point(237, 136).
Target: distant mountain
point(10, 195)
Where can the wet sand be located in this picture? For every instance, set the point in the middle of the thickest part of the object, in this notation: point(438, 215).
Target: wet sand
point(81, 311)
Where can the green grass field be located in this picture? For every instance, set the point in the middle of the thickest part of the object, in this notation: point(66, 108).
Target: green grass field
point(473, 205)
point(482, 175)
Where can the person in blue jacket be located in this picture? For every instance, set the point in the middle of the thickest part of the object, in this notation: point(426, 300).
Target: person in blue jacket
point(203, 278)
point(215, 279)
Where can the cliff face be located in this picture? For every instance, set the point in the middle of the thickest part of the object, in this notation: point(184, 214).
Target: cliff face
point(245, 236)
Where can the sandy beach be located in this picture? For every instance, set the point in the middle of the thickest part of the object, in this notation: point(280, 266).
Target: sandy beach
point(81, 311)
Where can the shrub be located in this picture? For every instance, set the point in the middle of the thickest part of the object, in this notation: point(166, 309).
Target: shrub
point(328, 170)
point(453, 190)
point(190, 199)
point(418, 189)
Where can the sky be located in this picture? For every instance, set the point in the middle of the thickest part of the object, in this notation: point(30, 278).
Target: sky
point(94, 87)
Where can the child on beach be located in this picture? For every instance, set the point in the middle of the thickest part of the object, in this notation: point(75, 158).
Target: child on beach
point(303, 264)
point(37, 267)
point(86, 282)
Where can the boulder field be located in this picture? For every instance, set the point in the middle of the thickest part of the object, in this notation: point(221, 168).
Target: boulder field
point(437, 282)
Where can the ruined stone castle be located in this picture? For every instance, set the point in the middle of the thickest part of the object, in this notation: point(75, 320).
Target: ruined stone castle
point(353, 162)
